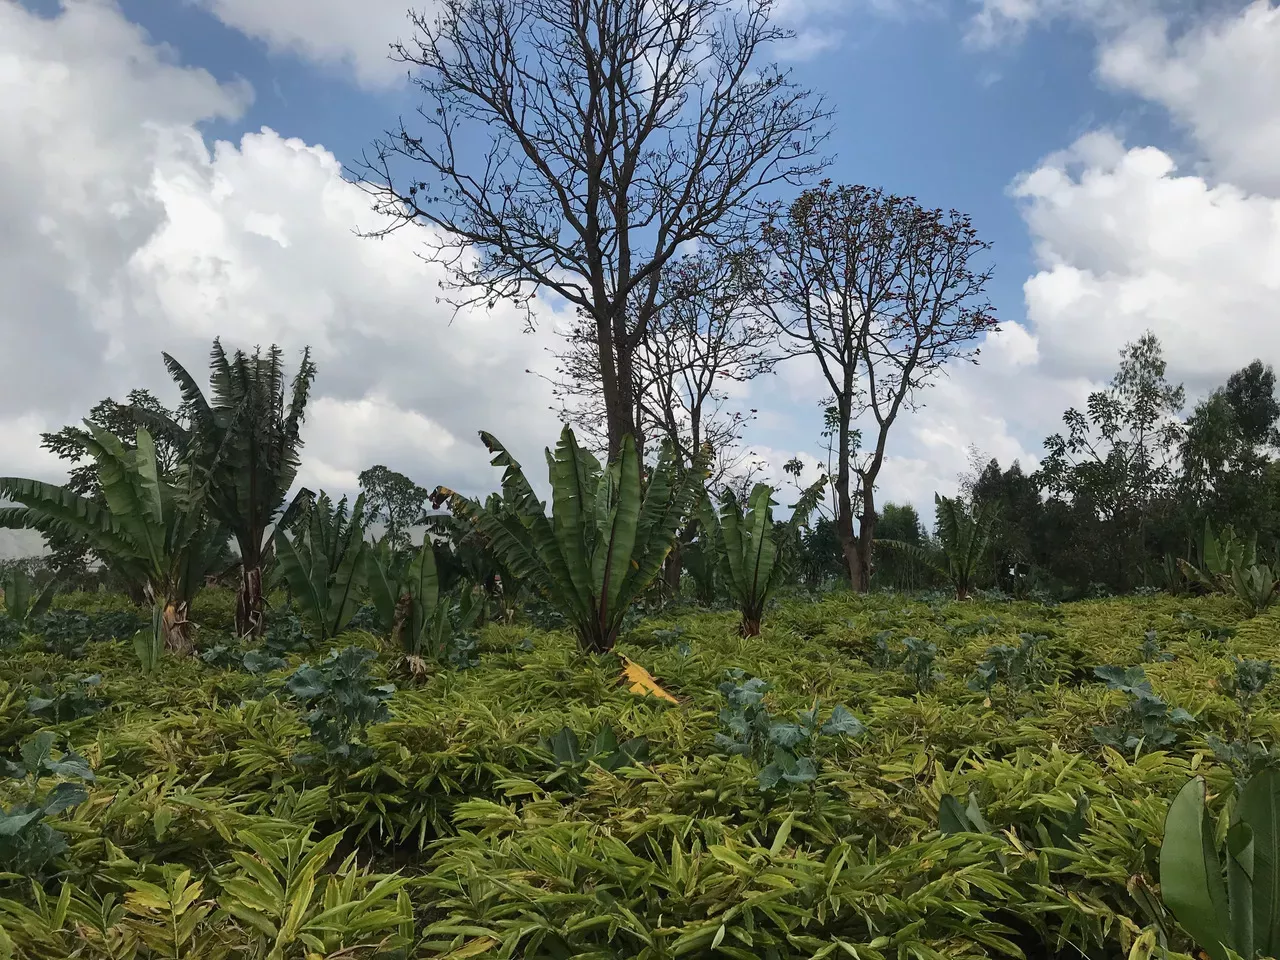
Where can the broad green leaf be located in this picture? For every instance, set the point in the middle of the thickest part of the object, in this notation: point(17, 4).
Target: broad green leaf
point(1191, 874)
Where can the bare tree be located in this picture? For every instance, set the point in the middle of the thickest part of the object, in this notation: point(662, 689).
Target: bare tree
point(617, 131)
point(882, 293)
point(704, 337)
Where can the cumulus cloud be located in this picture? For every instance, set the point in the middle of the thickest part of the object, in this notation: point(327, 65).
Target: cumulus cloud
point(126, 234)
point(1180, 239)
point(352, 36)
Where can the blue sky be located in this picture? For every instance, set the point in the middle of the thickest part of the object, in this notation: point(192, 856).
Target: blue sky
point(173, 170)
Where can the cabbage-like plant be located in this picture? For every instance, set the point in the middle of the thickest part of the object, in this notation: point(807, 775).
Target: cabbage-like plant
point(752, 559)
point(606, 539)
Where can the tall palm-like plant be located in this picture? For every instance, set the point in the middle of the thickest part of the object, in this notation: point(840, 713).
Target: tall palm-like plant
point(964, 535)
point(325, 563)
point(752, 548)
point(151, 532)
point(244, 441)
point(606, 539)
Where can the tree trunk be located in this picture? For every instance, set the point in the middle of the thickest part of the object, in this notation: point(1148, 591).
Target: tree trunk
point(866, 541)
point(856, 558)
point(249, 602)
point(175, 629)
point(672, 569)
point(750, 625)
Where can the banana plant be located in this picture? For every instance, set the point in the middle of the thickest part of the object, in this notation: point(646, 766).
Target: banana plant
point(752, 561)
point(1256, 586)
point(1217, 556)
point(606, 539)
point(964, 533)
point(412, 607)
point(22, 605)
point(324, 564)
point(1240, 916)
point(1227, 563)
point(153, 533)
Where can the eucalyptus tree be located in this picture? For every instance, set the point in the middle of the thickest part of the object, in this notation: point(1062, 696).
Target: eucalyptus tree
point(615, 133)
point(881, 293)
point(244, 442)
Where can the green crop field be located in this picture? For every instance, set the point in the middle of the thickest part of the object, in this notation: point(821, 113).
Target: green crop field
point(507, 809)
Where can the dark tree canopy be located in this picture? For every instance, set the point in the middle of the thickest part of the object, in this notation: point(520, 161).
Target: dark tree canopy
point(394, 499)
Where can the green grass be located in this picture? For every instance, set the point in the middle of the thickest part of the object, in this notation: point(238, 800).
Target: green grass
point(683, 857)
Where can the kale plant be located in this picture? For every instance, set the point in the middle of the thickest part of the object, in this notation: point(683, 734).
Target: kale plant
point(10, 631)
point(1243, 753)
point(27, 842)
point(342, 700)
point(1147, 721)
point(919, 663)
point(1018, 668)
point(256, 663)
point(116, 625)
point(882, 655)
point(285, 634)
point(1152, 650)
point(1207, 629)
point(785, 753)
point(66, 632)
point(71, 703)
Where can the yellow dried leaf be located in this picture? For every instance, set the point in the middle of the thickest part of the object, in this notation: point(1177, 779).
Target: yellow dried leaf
point(641, 681)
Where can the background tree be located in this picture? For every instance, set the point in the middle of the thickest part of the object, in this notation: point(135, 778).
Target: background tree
point(618, 131)
point(1117, 460)
point(393, 499)
point(882, 293)
point(69, 555)
point(1227, 472)
point(704, 337)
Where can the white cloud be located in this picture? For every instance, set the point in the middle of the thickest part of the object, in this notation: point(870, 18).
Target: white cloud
point(1219, 80)
point(1128, 238)
point(126, 234)
point(353, 36)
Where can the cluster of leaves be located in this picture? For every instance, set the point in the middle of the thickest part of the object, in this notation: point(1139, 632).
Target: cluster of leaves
point(1207, 629)
point(1018, 668)
point(72, 702)
point(342, 700)
point(1152, 651)
point(28, 842)
point(1147, 722)
point(285, 634)
point(256, 663)
point(572, 756)
point(1243, 753)
point(916, 658)
point(786, 753)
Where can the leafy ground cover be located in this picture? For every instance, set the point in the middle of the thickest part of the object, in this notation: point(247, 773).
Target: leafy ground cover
point(872, 777)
